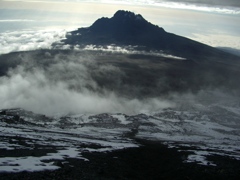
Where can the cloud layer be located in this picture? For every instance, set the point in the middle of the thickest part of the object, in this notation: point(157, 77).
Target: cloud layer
point(59, 85)
point(29, 40)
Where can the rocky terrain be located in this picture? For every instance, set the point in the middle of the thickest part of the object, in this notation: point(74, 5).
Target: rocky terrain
point(109, 146)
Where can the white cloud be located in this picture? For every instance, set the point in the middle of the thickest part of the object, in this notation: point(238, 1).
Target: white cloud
point(206, 6)
point(217, 38)
point(65, 85)
point(198, 7)
point(29, 40)
point(128, 50)
point(180, 5)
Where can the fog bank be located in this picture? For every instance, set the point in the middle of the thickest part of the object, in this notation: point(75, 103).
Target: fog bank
point(59, 85)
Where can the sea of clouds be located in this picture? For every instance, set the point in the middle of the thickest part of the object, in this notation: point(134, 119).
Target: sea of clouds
point(29, 40)
point(63, 84)
point(58, 84)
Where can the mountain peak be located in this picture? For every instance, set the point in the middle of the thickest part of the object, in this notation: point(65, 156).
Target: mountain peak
point(121, 14)
point(128, 28)
point(121, 20)
point(123, 28)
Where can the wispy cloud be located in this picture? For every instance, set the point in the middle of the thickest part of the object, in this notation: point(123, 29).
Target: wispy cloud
point(200, 7)
point(189, 5)
point(61, 84)
point(224, 7)
point(128, 50)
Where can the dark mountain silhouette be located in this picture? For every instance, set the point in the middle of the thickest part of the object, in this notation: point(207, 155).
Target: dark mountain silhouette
point(127, 28)
point(124, 28)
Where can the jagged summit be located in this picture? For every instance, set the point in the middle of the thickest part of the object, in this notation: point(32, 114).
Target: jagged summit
point(124, 18)
point(124, 25)
point(121, 14)
point(124, 28)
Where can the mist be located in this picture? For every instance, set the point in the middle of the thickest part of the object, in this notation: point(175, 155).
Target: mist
point(57, 85)
point(62, 82)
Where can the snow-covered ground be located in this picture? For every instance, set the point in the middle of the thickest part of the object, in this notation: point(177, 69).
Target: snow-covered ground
point(214, 130)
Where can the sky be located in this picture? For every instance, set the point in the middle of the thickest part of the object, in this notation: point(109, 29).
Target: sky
point(33, 24)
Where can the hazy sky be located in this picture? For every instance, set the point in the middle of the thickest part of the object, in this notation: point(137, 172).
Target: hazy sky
point(215, 22)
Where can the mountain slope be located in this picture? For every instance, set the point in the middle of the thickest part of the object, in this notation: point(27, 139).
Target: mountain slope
point(126, 28)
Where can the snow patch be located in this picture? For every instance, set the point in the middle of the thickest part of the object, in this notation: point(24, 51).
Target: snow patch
point(30, 163)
